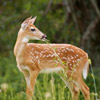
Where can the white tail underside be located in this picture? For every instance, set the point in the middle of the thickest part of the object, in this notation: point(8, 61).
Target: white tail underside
point(85, 71)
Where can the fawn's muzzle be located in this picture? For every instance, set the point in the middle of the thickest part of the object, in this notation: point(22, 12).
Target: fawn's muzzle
point(44, 37)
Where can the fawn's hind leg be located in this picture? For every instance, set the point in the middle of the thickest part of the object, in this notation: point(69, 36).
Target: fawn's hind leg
point(75, 93)
point(74, 90)
point(85, 90)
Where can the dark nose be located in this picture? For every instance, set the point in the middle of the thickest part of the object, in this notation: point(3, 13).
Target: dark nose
point(44, 37)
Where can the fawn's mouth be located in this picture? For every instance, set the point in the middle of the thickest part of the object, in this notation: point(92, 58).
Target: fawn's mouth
point(44, 38)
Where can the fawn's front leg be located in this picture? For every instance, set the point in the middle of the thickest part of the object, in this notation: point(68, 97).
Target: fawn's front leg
point(30, 81)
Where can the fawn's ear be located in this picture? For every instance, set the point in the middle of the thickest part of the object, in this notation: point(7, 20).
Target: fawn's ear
point(25, 23)
point(32, 20)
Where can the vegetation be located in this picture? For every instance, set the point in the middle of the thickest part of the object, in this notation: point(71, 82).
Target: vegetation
point(78, 26)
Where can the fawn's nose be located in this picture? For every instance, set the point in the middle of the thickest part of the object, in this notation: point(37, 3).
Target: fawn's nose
point(44, 37)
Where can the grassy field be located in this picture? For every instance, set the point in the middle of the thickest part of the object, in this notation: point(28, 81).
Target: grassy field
point(48, 86)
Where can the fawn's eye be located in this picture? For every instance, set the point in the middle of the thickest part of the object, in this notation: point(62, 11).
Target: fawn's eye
point(33, 29)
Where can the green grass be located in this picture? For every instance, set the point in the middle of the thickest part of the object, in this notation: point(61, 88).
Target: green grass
point(48, 86)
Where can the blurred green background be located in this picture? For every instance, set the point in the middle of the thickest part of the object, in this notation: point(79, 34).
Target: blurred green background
point(74, 22)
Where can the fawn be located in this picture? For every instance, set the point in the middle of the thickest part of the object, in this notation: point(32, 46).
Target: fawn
point(33, 57)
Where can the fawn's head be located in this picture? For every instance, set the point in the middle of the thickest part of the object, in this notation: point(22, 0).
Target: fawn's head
point(30, 32)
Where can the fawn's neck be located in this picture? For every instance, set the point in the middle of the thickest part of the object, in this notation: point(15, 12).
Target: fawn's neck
point(20, 44)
